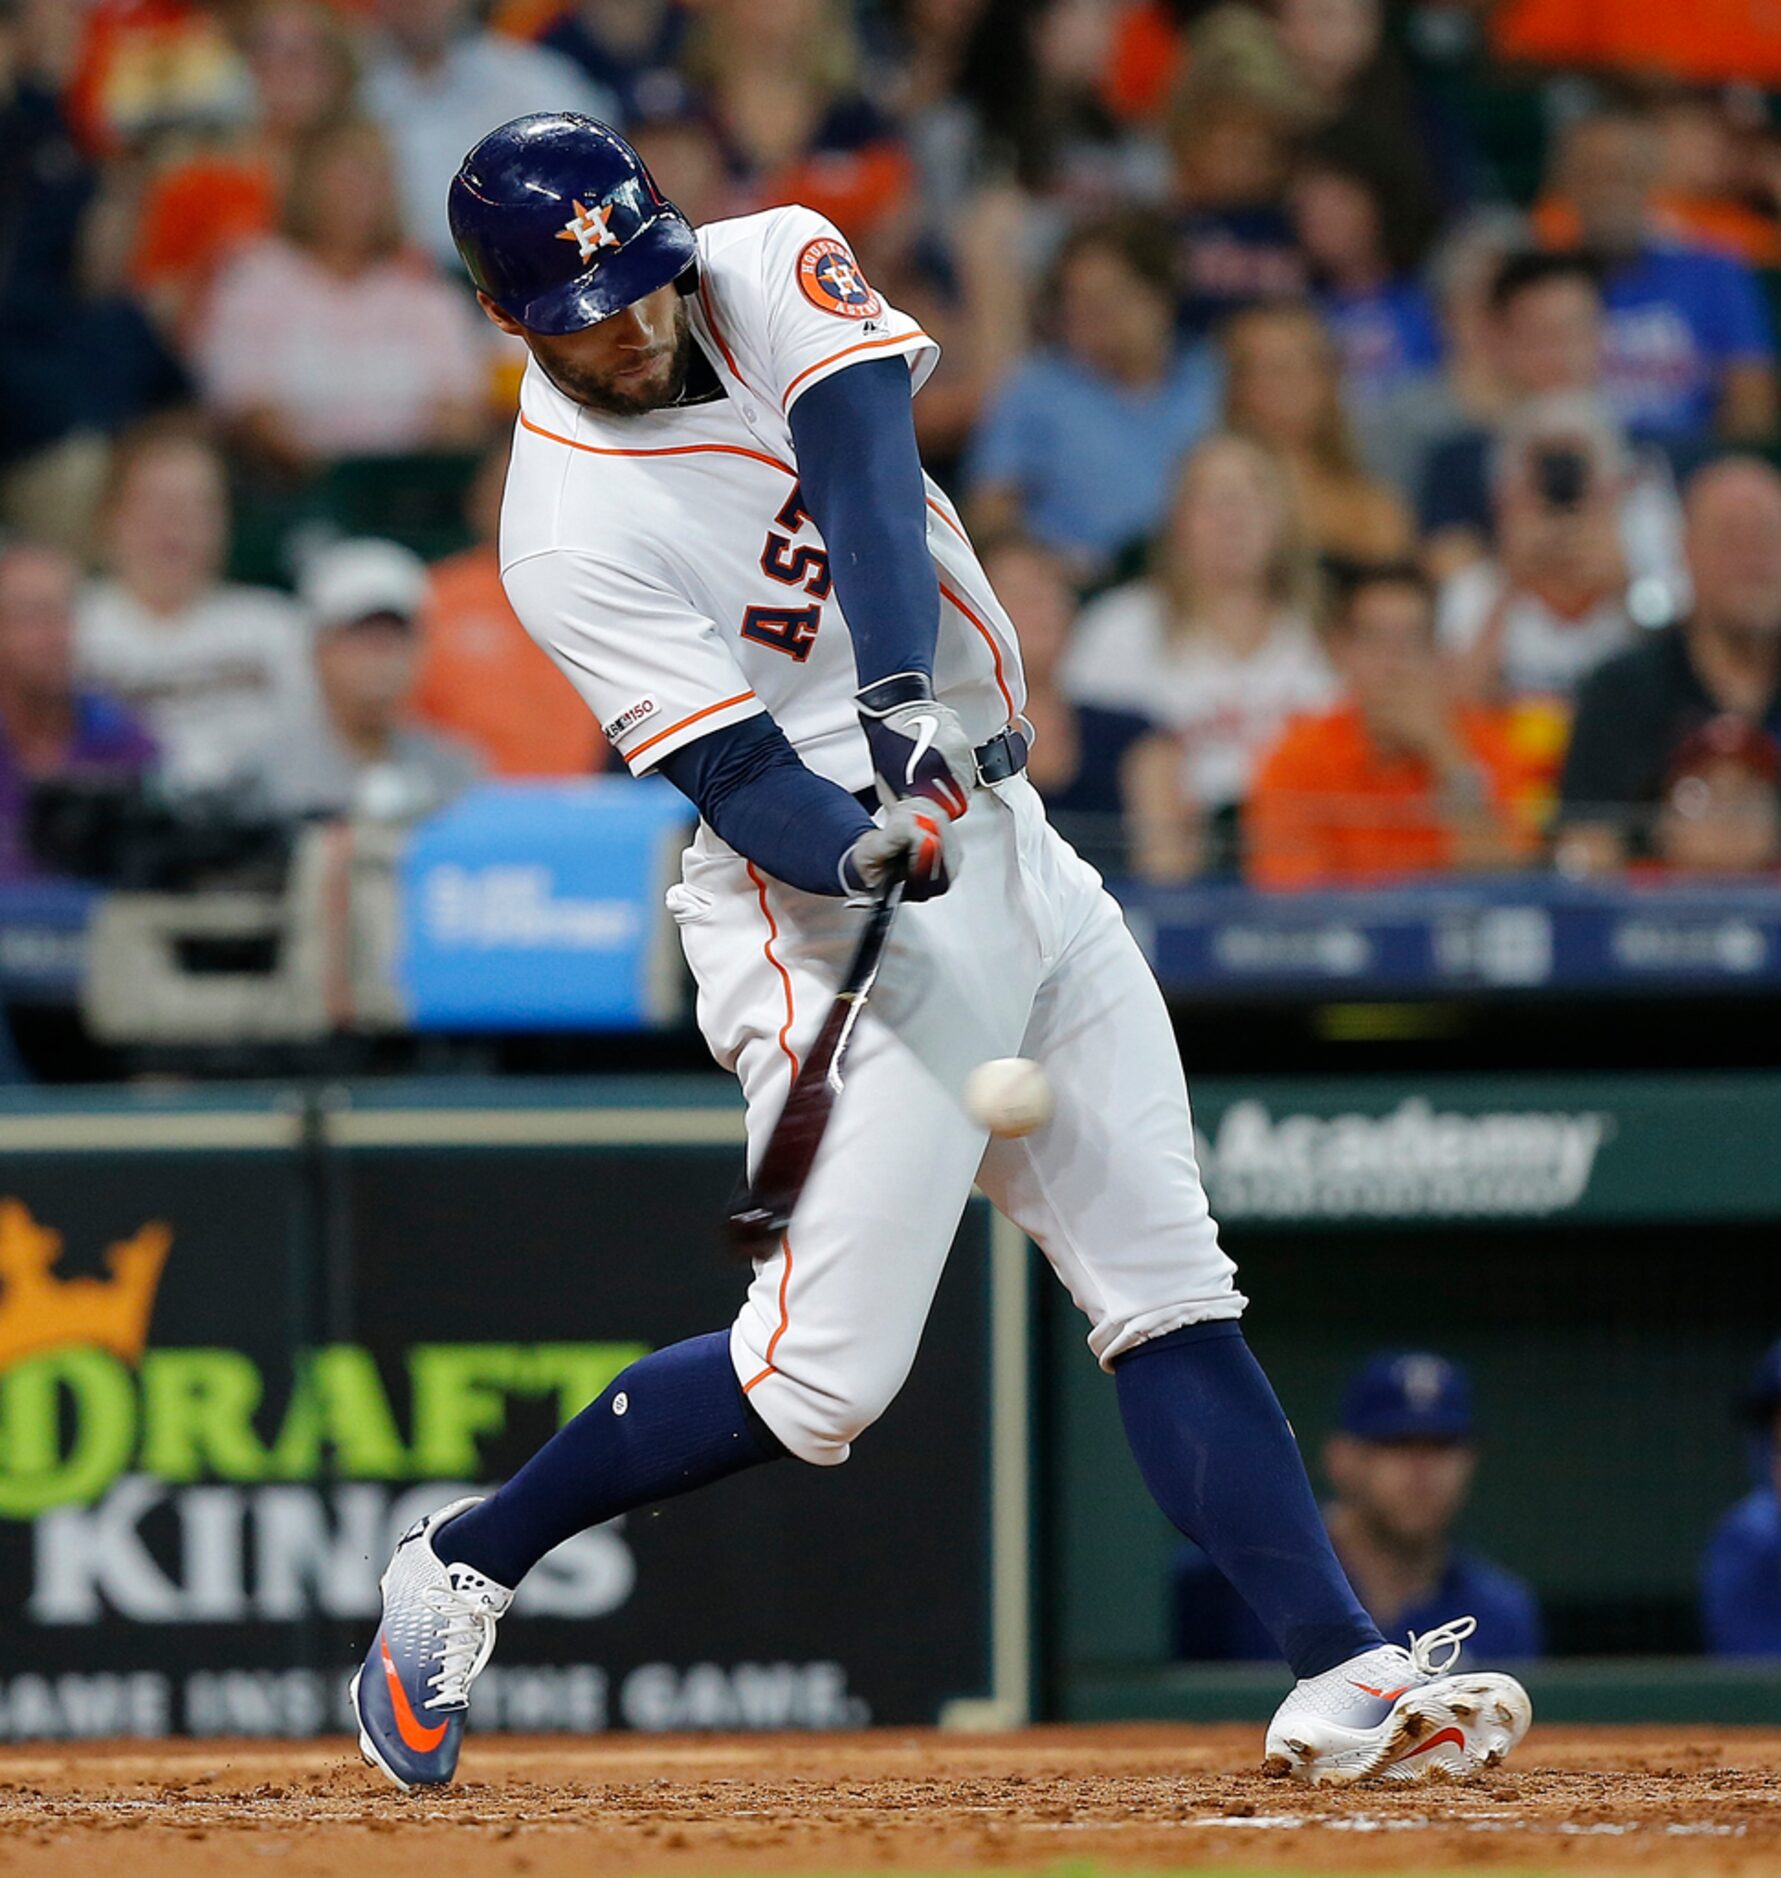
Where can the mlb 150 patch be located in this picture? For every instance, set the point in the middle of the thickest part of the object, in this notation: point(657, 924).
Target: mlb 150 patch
point(831, 279)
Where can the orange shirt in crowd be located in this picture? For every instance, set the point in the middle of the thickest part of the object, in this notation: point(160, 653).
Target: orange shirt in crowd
point(526, 19)
point(1327, 809)
point(195, 216)
point(483, 680)
point(1705, 39)
point(1147, 57)
point(1705, 221)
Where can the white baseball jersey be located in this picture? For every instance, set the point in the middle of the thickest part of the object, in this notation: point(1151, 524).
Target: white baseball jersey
point(665, 562)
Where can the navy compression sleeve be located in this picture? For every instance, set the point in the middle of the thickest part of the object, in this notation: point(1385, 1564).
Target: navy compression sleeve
point(749, 784)
point(861, 476)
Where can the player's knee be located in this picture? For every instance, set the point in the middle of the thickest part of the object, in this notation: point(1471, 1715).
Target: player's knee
point(818, 1421)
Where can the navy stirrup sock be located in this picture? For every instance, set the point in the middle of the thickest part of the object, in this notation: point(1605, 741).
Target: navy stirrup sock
point(1219, 1458)
point(675, 1420)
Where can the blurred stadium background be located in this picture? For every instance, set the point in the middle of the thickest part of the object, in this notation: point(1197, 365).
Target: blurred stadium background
point(1368, 412)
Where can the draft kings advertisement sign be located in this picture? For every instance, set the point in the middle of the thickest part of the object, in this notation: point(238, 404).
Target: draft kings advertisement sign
point(216, 1418)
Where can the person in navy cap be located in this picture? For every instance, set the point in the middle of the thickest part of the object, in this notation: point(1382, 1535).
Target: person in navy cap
point(1401, 1467)
point(1741, 1567)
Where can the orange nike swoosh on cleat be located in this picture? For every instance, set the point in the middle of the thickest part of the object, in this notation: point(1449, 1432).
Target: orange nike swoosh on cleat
point(422, 1740)
point(1384, 1695)
point(1435, 1741)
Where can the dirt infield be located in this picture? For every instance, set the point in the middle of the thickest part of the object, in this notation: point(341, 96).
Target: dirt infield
point(1054, 1800)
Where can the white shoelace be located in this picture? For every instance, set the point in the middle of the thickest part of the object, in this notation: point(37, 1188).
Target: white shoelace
point(466, 1639)
point(1448, 1637)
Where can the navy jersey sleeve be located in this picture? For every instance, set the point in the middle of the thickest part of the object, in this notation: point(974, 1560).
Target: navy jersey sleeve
point(860, 472)
point(749, 784)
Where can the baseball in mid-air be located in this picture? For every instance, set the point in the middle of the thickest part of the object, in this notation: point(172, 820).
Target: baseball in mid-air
point(1008, 1095)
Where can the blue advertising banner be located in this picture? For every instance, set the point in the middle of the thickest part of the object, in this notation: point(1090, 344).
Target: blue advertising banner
point(1521, 933)
point(538, 905)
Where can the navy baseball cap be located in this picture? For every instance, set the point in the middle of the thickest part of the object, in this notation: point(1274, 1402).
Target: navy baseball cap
point(1408, 1395)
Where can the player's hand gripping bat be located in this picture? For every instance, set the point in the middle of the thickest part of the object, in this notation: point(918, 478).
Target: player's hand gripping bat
point(762, 1212)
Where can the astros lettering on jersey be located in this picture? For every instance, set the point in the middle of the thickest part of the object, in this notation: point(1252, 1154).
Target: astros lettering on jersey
point(666, 563)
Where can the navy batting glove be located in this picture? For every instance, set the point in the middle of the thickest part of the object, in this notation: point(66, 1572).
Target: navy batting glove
point(918, 745)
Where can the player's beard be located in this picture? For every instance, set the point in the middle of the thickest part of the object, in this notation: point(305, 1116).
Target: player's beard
point(633, 394)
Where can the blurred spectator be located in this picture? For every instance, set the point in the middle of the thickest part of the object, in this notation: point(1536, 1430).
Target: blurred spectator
point(210, 667)
point(1544, 335)
point(1399, 432)
point(196, 213)
point(1379, 315)
point(1035, 76)
point(330, 341)
point(1547, 330)
point(1217, 650)
point(1356, 83)
point(150, 66)
point(686, 159)
point(1397, 780)
point(1229, 133)
point(1741, 1567)
point(1077, 748)
point(1554, 602)
point(1721, 811)
point(60, 314)
point(781, 81)
point(1636, 711)
point(1689, 349)
point(1283, 385)
point(1703, 187)
point(1081, 444)
point(439, 82)
point(353, 748)
point(1400, 1467)
point(50, 727)
point(482, 680)
point(628, 48)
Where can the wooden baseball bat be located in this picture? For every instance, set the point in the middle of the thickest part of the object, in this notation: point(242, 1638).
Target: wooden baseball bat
point(763, 1211)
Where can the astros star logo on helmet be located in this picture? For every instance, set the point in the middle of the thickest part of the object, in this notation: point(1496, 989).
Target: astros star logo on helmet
point(589, 230)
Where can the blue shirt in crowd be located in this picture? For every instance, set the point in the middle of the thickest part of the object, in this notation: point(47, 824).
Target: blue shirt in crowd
point(1741, 1579)
point(1386, 338)
point(1677, 317)
point(1094, 461)
point(1214, 1625)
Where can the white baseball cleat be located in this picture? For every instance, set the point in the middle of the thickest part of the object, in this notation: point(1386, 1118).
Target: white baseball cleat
point(412, 1692)
point(1397, 1714)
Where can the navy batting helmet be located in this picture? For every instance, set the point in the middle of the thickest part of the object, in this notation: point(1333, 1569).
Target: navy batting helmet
point(560, 223)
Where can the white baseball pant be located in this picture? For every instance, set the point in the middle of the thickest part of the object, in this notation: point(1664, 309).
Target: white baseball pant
point(1027, 955)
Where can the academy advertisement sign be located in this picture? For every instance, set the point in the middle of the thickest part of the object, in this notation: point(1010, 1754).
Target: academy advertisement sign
point(1414, 1162)
point(226, 1388)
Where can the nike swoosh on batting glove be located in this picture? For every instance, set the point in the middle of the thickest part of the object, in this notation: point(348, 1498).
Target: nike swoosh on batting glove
point(918, 745)
point(913, 838)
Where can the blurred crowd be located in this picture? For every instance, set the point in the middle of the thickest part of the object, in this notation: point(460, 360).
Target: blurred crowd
point(1365, 408)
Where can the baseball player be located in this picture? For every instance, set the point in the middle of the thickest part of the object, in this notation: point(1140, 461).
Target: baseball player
point(717, 524)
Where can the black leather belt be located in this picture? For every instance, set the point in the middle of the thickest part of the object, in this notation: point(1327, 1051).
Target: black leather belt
point(1003, 756)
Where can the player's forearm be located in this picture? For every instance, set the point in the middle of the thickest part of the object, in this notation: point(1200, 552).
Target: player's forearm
point(862, 485)
point(749, 785)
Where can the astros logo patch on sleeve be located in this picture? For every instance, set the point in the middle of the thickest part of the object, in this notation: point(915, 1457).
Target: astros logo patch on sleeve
point(831, 279)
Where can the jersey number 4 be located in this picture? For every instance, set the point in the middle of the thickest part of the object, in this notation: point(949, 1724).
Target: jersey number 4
point(788, 629)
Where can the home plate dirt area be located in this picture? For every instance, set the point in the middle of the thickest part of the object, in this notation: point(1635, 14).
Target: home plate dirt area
point(1052, 1802)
